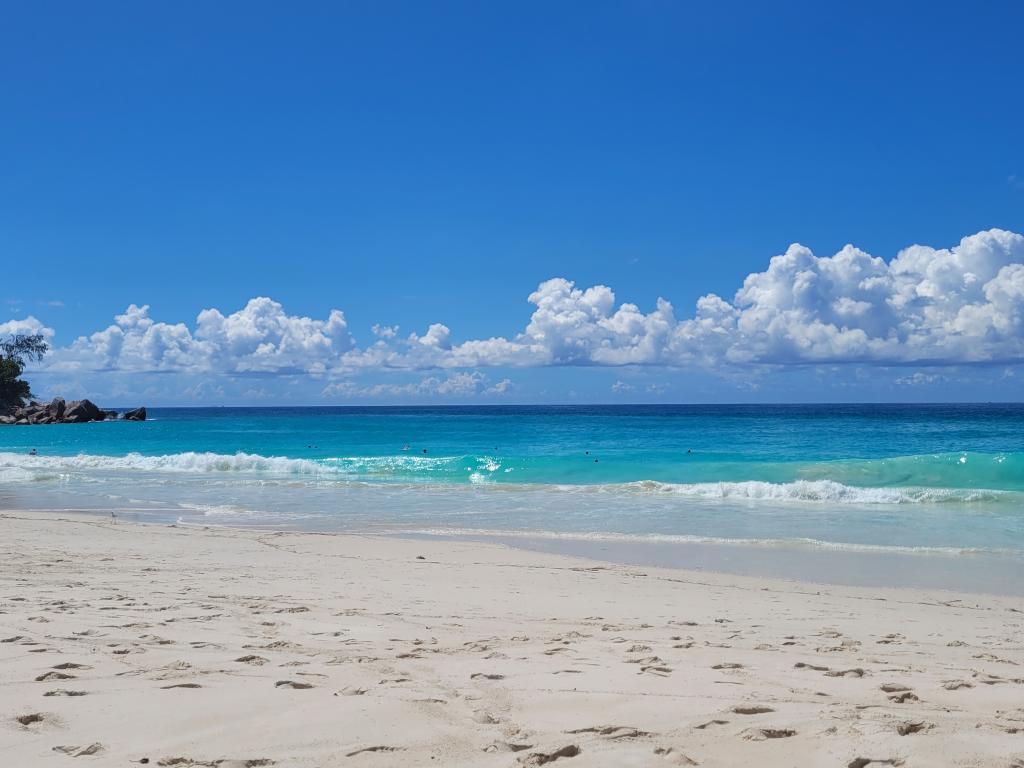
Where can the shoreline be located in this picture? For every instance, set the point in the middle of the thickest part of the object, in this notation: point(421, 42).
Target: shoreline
point(962, 573)
point(191, 646)
point(966, 572)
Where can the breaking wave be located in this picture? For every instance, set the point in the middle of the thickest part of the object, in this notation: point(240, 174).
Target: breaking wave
point(816, 491)
point(480, 472)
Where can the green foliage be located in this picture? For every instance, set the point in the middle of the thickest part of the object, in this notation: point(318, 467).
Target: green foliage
point(15, 352)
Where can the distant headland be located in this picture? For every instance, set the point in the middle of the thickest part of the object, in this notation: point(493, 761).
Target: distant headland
point(15, 352)
point(59, 412)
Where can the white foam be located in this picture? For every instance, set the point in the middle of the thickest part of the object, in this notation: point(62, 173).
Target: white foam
point(659, 538)
point(176, 462)
point(17, 467)
point(815, 491)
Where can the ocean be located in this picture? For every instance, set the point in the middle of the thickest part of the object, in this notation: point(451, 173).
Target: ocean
point(945, 480)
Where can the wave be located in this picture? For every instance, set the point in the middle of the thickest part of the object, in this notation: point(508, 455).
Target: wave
point(816, 491)
point(864, 482)
point(193, 462)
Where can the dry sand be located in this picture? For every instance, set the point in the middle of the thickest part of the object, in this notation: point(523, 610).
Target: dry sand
point(126, 644)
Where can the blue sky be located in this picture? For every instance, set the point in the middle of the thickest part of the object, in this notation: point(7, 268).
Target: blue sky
point(410, 164)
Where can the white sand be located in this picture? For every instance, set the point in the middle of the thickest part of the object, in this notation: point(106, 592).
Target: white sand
point(474, 655)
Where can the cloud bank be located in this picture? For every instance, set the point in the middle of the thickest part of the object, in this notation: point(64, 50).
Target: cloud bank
point(927, 307)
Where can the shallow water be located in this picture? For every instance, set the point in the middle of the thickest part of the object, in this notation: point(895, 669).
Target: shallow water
point(934, 480)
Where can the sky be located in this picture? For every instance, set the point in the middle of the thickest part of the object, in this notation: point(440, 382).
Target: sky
point(447, 202)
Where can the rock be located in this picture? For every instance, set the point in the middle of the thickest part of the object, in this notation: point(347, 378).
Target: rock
point(78, 411)
point(58, 412)
point(56, 407)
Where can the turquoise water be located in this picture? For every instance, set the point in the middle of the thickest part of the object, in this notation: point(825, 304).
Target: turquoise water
point(942, 479)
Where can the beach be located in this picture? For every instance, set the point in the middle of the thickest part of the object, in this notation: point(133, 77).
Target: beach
point(170, 645)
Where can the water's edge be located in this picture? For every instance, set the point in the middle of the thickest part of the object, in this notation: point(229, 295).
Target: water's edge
point(982, 574)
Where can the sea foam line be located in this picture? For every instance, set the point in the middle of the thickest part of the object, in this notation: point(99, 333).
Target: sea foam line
point(22, 467)
point(665, 538)
point(193, 461)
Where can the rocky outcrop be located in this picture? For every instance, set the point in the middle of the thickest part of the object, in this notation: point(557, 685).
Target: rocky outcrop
point(138, 414)
point(78, 411)
point(59, 412)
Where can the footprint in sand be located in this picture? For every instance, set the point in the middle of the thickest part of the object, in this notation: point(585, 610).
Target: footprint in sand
point(292, 684)
point(351, 691)
point(506, 746)
point(543, 758)
point(908, 728)
point(893, 688)
point(955, 685)
point(612, 731)
point(656, 669)
point(903, 698)
point(855, 672)
point(675, 756)
point(65, 692)
point(752, 710)
point(381, 748)
point(91, 749)
point(256, 661)
point(189, 762)
point(762, 734)
point(54, 676)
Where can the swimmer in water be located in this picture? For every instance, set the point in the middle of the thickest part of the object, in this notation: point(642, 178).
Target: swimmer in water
point(33, 452)
point(424, 450)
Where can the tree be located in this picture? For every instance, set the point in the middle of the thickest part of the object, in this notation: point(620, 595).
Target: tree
point(15, 352)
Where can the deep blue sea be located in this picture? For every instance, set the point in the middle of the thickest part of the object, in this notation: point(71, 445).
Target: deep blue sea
point(946, 479)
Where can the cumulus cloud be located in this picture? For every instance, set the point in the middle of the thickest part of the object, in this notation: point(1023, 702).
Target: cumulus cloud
point(927, 307)
point(259, 338)
point(27, 327)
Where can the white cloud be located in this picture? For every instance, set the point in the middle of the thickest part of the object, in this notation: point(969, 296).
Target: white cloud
point(501, 388)
point(28, 327)
point(462, 383)
point(927, 306)
point(918, 379)
point(951, 306)
point(259, 338)
point(621, 386)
